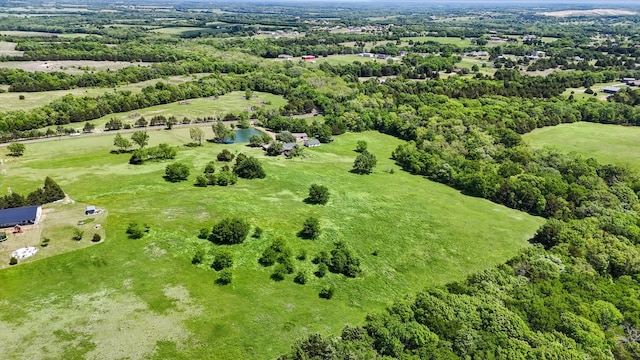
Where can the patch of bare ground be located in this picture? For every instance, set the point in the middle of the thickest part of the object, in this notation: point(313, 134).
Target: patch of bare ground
point(99, 325)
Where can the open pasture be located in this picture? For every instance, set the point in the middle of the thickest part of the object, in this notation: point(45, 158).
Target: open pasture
point(144, 299)
point(9, 49)
point(443, 40)
point(11, 100)
point(606, 143)
point(69, 66)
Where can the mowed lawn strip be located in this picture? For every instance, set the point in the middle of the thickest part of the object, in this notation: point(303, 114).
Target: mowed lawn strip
point(423, 233)
point(606, 143)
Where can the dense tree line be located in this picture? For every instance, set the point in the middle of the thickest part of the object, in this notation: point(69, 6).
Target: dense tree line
point(50, 192)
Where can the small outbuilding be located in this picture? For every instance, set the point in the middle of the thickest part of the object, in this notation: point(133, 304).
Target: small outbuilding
point(27, 215)
point(312, 143)
point(90, 210)
point(611, 89)
point(288, 146)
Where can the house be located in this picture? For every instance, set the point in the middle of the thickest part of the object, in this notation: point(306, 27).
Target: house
point(628, 80)
point(367, 55)
point(634, 83)
point(300, 136)
point(610, 89)
point(577, 58)
point(312, 143)
point(285, 57)
point(27, 215)
point(528, 37)
point(288, 146)
point(477, 53)
point(383, 56)
point(539, 53)
point(90, 210)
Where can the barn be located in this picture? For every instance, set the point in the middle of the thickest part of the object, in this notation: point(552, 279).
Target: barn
point(27, 215)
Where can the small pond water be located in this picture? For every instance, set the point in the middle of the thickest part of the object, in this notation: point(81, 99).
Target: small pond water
point(243, 135)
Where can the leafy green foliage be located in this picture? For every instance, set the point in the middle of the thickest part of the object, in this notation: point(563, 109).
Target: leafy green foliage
point(225, 277)
point(229, 231)
point(364, 163)
point(249, 168)
point(361, 146)
point(136, 231)
point(223, 259)
point(140, 138)
point(318, 194)
point(310, 229)
point(343, 261)
point(16, 149)
point(301, 278)
point(326, 292)
point(225, 155)
point(176, 172)
point(123, 144)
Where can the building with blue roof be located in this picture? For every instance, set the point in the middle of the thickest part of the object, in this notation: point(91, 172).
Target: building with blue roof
point(27, 215)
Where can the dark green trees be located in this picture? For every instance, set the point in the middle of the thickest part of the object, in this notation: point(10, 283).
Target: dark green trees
point(176, 172)
point(318, 194)
point(310, 229)
point(16, 149)
point(229, 231)
point(248, 168)
point(52, 191)
point(364, 163)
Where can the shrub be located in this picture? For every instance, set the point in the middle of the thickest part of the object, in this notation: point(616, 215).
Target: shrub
point(13, 261)
point(300, 278)
point(279, 273)
point(45, 242)
point(210, 168)
point(224, 178)
point(96, 238)
point(322, 270)
point(318, 194)
point(326, 292)
point(224, 277)
point(310, 229)
point(269, 257)
point(222, 260)
point(77, 234)
point(364, 163)
point(198, 257)
point(225, 155)
point(249, 168)
point(229, 231)
point(343, 261)
point(361, 146)
point(136, 231)
point(204, 233)
point(176, 172)
point(286, 137)
point(201, 181)
point(302, 255)
point(257, 233)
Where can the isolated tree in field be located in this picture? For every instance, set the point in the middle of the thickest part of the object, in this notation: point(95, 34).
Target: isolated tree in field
point(142, 122)
point(52, 191)
point(223, 259)
point(210, 168)
point(141, 138)
point(361, 146)
point(318, 194)
point(225, 155)
point(16, 149)
point(196, 134)
point(249, 168)
point(310, 229)
point(122, 143)
point(248, 94)
point(88, 127)
point(136, 231)
point(225, 277)
point(364, 163)
point(176, 172)
point(323, 133)
point(229, 231)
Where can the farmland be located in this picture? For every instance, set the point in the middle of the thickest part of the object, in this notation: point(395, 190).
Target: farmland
point(439, 241)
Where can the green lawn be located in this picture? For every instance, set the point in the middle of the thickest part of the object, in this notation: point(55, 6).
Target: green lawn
point(34, 100)
point(606, 143)
point(177, 30)
point(144, 299)
point(442, 40)
point(578, 93)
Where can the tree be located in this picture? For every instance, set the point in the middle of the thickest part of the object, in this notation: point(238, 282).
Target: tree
point(286, 137)
point(201, 181)
point(77, 234)
point(136, 231)
point(96, 238)
point(225, 155)
point(142, 122)
point(318, 194)
point(361, 146)
point(249, 168)
point(16, 149)
point(326, 292)
point(310, 229)
point(210, 168)
point(343, 261)
point(229, 231)
point(222, 260)
point(88, 127)
point(255, 140)
point(225, 277)
point(364, 163)
point(248, 94)
point(176, 172)
point(52, 191)
point(301, 278)
point(141, 138)
point(123, 144)
point(324, 133)
point(221, 133)
point(196, 134)
point(244, 123)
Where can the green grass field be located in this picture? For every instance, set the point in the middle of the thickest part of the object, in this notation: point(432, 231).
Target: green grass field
point(144, 299)
point(34, 100)
point(442, 40)
point(177, 30)
point(606, 143)
point(232, 102)
point(578, 93)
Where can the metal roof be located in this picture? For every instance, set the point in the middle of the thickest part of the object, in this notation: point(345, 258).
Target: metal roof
point(18, 216)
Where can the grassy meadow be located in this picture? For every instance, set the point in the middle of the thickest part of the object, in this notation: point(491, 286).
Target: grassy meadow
point(144, 299)
point(606, 143)
point(32, 100)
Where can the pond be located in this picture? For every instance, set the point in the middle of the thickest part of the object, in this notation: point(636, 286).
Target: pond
point(243, 135)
